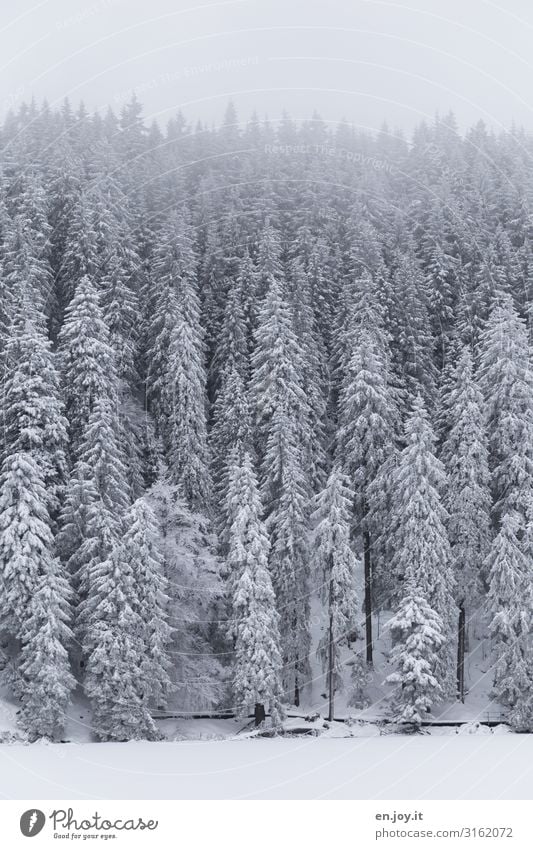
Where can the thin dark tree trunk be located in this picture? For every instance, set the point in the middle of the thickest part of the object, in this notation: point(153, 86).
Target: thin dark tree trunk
point(259, 713)
point(461, 653)
point(296, 694)
point(368, 598)
point(331, 658)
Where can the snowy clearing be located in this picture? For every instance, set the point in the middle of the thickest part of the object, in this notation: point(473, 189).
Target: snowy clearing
point(448, 767)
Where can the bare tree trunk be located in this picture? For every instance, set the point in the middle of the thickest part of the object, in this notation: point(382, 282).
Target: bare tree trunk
point(331, 669)
point(461, 653)
point(331, 654)
point(259, 714)
point(368, 598)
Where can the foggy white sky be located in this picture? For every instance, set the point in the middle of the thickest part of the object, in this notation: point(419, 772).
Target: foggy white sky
point(365, 60)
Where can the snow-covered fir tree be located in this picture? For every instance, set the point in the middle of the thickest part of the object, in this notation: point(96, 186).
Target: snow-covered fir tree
point(33, 417)
point(34, 599)
point(367, 424)
point(282, 418)
point(336, 564)
point(185, 391)
point(254, 619)
point(418, 635)
point(467, 500)
point(127, 634)
point(26, 541)
point(421, 546)
point(509, 606)
point(46, 680)
point(86, 360)
point(507, 383)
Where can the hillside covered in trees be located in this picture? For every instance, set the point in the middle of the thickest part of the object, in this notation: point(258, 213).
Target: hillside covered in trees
point(261, 383)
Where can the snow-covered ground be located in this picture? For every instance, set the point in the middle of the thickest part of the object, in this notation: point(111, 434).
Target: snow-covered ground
point(449, 767)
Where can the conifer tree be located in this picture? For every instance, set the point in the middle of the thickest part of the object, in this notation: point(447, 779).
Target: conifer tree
point(288, 527)
point(80, 496)
point(25, 538)
point(410, 328)
point(507, 383)
point(47, 682)
point(134, 574)
point(281, 431)
point(6, 293)
point(231, 436)
point(80, 258)
point(367, 424)
point(420, 543)
point(127, 634)
point(314, 371)
point(257, 660)
point(276, 383)
point(509, 607)
point(96, 500)
point(33, 419)
point(173, 268)
point(232, 348)
point(26, 266)
point(336, 565)
point(86, 360)
point(467, 500)
point(185, 391)
point(120, 305)
point(418, 633)
point(34, 599)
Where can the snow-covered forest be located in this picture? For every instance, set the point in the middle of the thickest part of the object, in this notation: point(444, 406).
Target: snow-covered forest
point(266, 399)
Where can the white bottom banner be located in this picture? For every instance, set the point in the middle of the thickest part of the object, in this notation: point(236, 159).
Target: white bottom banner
point(324, 825)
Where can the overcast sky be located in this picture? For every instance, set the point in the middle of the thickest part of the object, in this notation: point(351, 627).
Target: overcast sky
point(364, 60)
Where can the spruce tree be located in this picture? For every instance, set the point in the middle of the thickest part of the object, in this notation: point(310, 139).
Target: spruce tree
point(506, 380)
point(120, 304)
point(336, 565)
point(86, 360)
point(80, 258)
point(467, 500)
point(25, 538)
point(173, 268)
point(47, 682)
point(98, 482)
point(288, 526)
point(367, 423)
point(34, 599)
point(26, 249)
point(420, 543)
point(418, 634)
point(281, 434)
point(231, 436)
point(140, 546)
point(126, 633)
point(185, 389)
point(509, 608)
point(257, 660)
point(33, 417)
point(314, 373)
